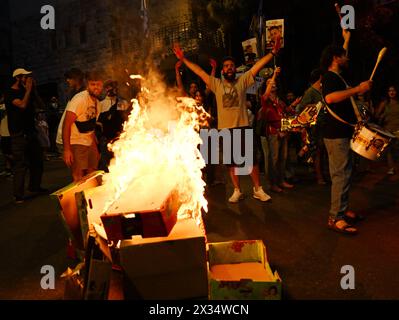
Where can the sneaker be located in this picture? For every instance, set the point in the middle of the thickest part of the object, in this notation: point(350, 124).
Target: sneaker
point(18, 200)
point(276, 189)
point(261, 195)
point(237, 196)
point(286, 185)
point(391, 171)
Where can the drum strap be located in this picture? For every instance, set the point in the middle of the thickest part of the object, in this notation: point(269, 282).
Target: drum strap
point(354, 105)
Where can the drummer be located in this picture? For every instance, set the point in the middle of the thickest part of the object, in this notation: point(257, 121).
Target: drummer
point(338, 132)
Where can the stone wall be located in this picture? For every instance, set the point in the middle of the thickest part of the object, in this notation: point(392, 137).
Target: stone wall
point(104, 34)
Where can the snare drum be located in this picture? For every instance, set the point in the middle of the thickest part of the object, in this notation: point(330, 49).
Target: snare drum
point(370, 140)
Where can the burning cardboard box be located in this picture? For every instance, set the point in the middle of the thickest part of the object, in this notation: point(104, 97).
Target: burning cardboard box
point(135, 212)
point(172, 267)
point(239, 270)
point(69, 207)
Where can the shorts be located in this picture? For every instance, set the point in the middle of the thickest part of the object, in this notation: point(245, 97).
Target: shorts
point(84, 157)
point(240, 153)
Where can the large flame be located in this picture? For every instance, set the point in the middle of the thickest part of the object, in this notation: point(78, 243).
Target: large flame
point(158, 150)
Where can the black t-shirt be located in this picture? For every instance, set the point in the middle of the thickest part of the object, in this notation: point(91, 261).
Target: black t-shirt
point(20, 121)
point(332, 128)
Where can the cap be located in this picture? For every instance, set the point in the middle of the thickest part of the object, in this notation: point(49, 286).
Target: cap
point(20, 71)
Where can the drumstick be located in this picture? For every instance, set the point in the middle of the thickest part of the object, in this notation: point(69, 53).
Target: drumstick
point(338, 9)
point(380, 57)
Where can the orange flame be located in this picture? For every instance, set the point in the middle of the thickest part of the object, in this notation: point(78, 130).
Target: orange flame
point(158, 150)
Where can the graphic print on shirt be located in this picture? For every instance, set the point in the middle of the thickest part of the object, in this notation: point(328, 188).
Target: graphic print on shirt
point(230, 98)
point(91, 113)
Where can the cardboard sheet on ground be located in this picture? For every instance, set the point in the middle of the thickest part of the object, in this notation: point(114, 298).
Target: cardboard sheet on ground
point(239, 270)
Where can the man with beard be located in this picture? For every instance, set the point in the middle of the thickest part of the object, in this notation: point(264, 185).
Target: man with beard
point(80, 143)
point(75, 81)
point(338, 132)
point(232, 110)
point(25, 147)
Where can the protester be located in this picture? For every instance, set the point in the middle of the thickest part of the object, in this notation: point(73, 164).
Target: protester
point(232, 110)
point(338, 133)
point(388, 115)
point(25, 146)
point(5, 139)
point(80, 143)
point(75, 81)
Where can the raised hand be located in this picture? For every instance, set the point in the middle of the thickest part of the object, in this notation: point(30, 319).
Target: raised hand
point(213, 63)
point(29, 84)
point(346, 34)
point(179, 53)
point(365, 86)
point(178, 65)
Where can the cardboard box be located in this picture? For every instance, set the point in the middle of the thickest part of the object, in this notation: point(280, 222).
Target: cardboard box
point(69, 208)
point(172, 267)
point(239, 270)
point(138, 213)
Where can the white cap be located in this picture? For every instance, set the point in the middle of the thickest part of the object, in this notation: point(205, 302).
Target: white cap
point(20, 71)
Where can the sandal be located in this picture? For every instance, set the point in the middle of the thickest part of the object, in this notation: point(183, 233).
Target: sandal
point(352, 217)
point(342, 226)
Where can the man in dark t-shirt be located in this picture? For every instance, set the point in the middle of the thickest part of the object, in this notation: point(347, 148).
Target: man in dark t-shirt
point(338, 131)
point(25, 147)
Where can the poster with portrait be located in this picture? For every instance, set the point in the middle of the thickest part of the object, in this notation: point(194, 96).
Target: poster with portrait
point(250, 51)
point(274, 28)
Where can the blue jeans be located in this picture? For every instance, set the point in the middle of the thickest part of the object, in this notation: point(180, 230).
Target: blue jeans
point(340, 160)
point(278, 151)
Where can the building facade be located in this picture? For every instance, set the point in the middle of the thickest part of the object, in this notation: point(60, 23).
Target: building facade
point(110, 36)
point(5, 46)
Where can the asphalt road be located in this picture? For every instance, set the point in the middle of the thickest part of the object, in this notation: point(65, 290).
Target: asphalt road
point(306, 254)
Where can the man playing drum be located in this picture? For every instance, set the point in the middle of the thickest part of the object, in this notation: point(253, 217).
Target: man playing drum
point(337, 134)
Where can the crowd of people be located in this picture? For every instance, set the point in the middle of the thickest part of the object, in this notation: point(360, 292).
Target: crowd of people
point(80, 136)
point(91, 121)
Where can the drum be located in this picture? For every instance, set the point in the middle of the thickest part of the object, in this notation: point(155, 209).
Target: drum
point(370, 140)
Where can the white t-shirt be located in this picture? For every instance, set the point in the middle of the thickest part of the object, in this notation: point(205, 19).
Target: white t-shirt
point(58, 139)
point(86, 109)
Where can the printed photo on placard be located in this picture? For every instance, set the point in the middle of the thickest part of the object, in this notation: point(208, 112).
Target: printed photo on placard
point(274, 28)
point(250, 51)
